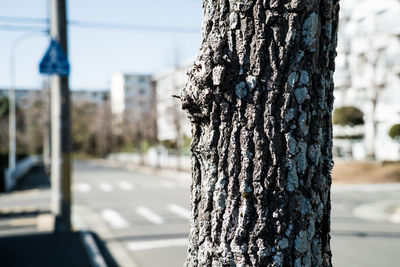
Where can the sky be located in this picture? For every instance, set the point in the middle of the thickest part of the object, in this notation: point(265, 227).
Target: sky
point(95, 54)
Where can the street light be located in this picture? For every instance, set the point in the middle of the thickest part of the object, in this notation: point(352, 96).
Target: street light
point(12, 102)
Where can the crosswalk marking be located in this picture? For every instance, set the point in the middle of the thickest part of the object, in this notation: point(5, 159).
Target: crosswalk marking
point(114, 219)
point(82, 187)
point(178, 210)
point(149, 215)
point(125, 185)
point(166, 243)
point(376, 211)
point(395, 216)
point(106, 187)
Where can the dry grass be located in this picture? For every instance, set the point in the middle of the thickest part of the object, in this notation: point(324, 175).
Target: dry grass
point(366, 172)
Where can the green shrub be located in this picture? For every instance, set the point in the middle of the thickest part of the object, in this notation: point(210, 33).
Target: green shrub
point(394, 131)
point(350, 137)
point(348, 116)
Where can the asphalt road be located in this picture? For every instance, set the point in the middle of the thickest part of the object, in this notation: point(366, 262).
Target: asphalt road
point(143, 218)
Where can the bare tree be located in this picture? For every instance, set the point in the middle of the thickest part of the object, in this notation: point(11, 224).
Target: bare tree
point(260, 97)
point(139, 122)
point(176, 110)
point(103, 128)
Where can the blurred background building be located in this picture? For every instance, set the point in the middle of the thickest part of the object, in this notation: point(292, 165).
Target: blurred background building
point(139, 111)
point(133, 106)
point(172, 123)
point(367, 80)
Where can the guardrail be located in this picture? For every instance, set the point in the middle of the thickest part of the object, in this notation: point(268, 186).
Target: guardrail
point(22, 167)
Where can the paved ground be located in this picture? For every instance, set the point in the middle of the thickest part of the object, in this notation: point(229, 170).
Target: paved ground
point(26, 231)
point(43, 249)
point(143, 218)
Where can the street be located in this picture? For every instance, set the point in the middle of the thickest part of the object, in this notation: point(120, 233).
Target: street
point(143, 218)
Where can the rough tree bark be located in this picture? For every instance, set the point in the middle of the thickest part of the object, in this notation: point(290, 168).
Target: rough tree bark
point(260, 97)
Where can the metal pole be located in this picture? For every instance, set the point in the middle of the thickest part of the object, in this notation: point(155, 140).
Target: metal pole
point(46, 123)
point(12, 105)
point(12, 158)
point(12, 117)
point(60, 127)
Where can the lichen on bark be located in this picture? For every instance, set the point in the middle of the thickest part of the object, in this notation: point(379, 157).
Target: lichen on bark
point(260, 97)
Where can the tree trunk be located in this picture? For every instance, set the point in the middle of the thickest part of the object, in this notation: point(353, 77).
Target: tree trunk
point(260, 97)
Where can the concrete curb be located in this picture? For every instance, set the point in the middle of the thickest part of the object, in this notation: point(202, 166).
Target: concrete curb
point(92, 249)
point(114, 248)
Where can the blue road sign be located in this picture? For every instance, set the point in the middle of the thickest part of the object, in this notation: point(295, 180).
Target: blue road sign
point(55, 60)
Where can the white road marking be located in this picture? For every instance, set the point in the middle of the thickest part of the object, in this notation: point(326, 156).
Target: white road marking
point(166, 243)
point(149, 215)
point(376, 211)
point(178, 210)
point(114, 219)
point(395, 216)
point(82, 187)
point(105, 187)
point(125, 185)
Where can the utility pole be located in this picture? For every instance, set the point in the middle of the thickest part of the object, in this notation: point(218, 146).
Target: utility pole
point(60, 127)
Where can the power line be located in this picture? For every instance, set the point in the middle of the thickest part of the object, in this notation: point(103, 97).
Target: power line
point(31, 20)
point(17, 28)
point(133, 27)
point(103, 25)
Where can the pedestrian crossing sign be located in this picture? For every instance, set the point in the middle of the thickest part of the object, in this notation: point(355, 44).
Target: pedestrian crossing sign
point(55, 60)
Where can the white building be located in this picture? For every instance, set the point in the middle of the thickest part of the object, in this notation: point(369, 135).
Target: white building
point(368, 70)
point(131, 93)
point(92, 96)
point(172, 122)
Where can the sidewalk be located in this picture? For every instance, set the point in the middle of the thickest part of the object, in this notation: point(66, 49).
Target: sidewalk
point(26, 231)
point(43, 249)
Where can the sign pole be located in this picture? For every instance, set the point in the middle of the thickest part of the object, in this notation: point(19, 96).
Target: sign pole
point(60, 127)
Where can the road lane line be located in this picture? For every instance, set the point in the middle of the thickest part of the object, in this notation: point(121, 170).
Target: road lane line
point(82, 187)
point(375, 211)
point(166, 243)
point(114, 219)
point(395, 216)
point(106, 187)
point(178, 210)
point(125, 185)
point(149, 215)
